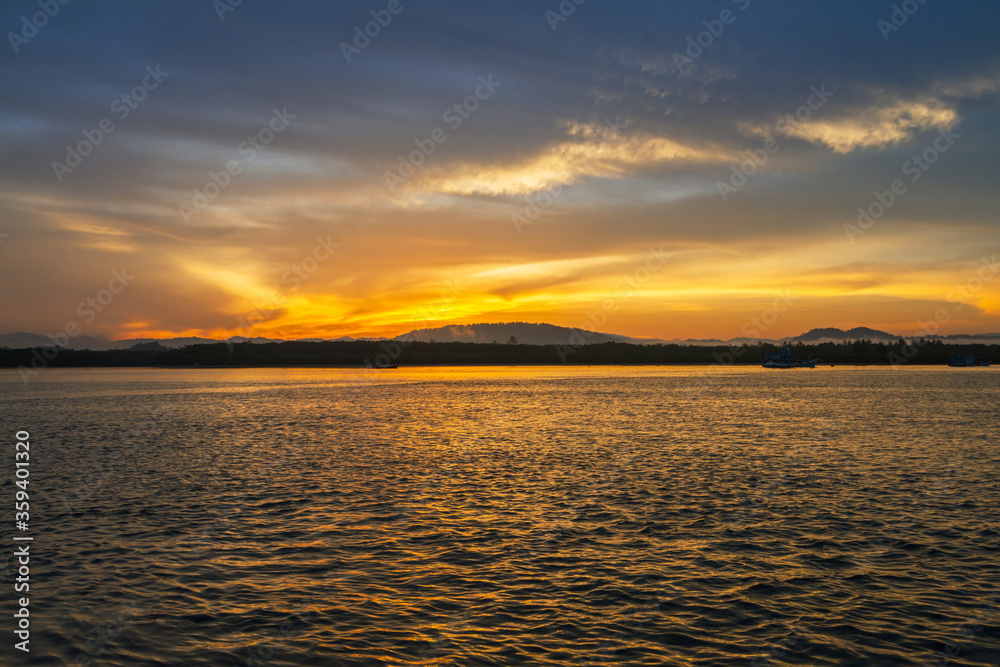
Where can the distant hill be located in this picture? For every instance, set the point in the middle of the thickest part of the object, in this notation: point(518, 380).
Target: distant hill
point(523, 332)
point(22, 340)
point(988, 337)
point(857, 333)
point(498, 332)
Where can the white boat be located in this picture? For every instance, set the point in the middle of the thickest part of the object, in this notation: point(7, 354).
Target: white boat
point(784, 359)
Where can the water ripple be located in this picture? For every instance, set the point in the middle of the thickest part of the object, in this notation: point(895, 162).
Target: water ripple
point(514, 516)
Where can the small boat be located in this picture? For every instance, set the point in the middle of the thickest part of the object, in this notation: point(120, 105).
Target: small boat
point(378, 366)
point(966, 360)
point(784, 359)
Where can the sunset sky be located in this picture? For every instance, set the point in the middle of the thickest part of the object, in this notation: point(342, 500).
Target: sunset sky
point(576, 182)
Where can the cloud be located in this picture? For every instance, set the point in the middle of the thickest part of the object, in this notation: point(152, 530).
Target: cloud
point(586, 150)
point(879, 119)
point(884, 122)
point(647, 181)
point(879, 126)
point(970, 88)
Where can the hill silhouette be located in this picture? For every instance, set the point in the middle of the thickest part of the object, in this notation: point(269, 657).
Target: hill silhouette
point(527, 333)
point(857, 333)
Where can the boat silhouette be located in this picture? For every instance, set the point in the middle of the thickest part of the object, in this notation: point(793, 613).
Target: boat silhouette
point(785, 359)
point(965, 360)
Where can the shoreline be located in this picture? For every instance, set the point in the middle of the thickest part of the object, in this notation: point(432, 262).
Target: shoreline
point(495, 365)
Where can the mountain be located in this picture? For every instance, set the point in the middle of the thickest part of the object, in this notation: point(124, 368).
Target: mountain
point(22, 340)
point(523, 332)
point(497, 332)
point(970, 338)
point(857, 333)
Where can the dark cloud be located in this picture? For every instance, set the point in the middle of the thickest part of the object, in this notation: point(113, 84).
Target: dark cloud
point(655, 181)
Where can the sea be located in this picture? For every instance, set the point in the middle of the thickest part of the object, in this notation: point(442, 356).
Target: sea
point(567, 515)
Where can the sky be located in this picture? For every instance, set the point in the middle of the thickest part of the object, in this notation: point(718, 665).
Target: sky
point(703, 169)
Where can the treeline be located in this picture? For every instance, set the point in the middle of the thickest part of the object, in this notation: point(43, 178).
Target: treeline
point(360, 353)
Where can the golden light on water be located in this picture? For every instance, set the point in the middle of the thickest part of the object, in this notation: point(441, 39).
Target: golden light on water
point(715, 472)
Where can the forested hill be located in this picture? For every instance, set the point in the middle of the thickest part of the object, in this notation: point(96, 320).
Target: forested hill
point(360, 353)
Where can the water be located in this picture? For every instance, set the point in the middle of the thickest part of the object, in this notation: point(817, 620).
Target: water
point(491, 516)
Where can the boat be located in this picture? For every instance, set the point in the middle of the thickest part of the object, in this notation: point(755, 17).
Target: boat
point(784, 359)
point(966, 360)
point(378, 366)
